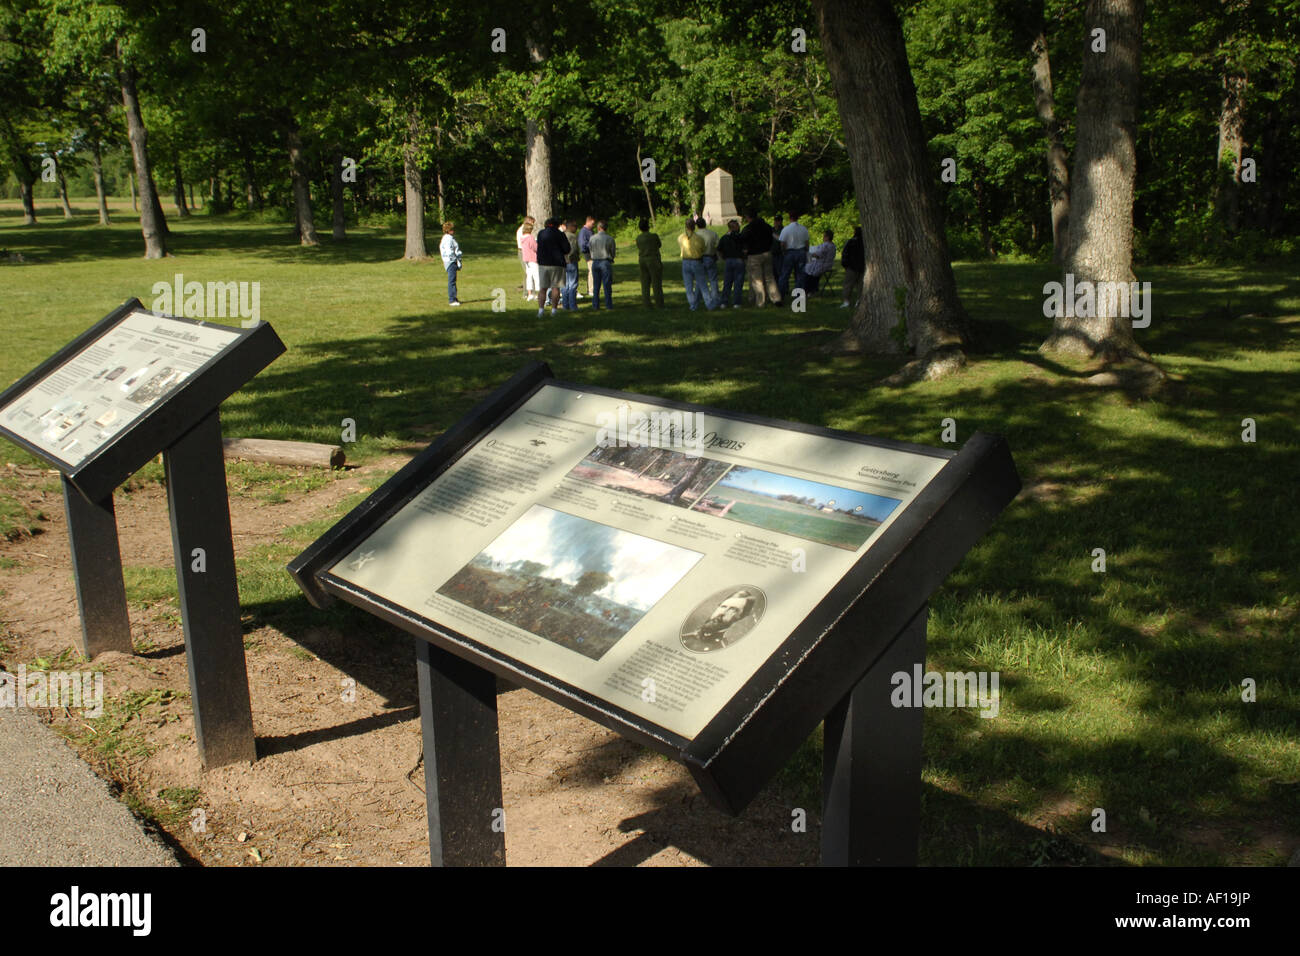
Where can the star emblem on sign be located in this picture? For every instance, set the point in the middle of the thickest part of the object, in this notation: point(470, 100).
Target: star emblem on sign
point(362, 559)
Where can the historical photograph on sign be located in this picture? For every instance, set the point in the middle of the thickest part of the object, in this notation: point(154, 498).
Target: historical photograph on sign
point(805, 509)
point(661, 474)
point(722, 619)
point(574, 582)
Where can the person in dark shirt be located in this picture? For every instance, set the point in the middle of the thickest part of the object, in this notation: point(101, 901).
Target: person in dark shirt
point(854, 261)
point(552, 247)
point(732, 251)
point(757, 240)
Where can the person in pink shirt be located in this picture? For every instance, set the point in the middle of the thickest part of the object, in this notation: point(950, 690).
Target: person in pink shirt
point(532, 281)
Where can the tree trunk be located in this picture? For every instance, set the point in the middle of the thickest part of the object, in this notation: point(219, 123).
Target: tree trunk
point(692, 193)
point(437, 176)
point(1232, 143)
point(190, 188)
point(97, 173)
point(1058, 173)
point(649, 202)
point(181, 206)
point(537, 146)
point(340, 224)
point(152, 221)
point(22, 167)
point(414, 190)
point(301, 187)
point(130, 182)
point(908, 273)
point(253, 195)
point(1102, 185)
point(63, 188)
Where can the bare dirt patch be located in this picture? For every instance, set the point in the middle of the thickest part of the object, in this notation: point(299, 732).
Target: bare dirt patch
point(339, 781)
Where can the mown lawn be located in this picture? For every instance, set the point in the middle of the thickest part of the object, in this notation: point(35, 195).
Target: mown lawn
point(1119, 690)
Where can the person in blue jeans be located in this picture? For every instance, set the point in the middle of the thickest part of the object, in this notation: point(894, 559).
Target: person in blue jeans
point(602, 264)
point(569, 294)
point(450, 250)
point(732, 250)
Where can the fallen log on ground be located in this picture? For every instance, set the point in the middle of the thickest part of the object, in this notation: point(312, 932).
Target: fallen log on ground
point(300, 453)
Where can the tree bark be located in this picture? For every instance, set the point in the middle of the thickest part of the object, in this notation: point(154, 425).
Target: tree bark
point(63, 188)
point(537, 146)
point(130, 182)
point(253, 194)
point(414, 190)
point(1232, 143)
point(181, 206)
point(301, 187)
point(437, 175)
point(339, 224)
point(97, 173)
point(692, 192)
point(649, 201)
point(152, 221)
point(1058, 173)
point(1103, 181)
point(908, 273)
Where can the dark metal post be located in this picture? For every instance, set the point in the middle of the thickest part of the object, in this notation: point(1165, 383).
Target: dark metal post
point(462, 760)
point(209, 596)
point(97, 570)
point(871, 780)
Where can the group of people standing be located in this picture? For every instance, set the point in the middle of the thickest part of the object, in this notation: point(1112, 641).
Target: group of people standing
point(769, 256)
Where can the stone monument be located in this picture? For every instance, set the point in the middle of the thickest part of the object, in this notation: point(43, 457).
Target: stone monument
point(719, 206)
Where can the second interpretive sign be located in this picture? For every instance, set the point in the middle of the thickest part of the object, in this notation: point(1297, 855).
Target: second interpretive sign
point(660, 567)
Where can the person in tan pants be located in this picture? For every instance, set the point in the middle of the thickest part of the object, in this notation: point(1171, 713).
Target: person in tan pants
point(757, 240)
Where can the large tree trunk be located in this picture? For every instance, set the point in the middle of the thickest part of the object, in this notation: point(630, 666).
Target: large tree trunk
point(130, 182)
point(181, 206)
point(1058, 174)
point(414, 190)
point(908, 272)
point(1105, 173)
point(340, 222)
point(97, 173)
point(152, 221)
point(301, 187)
point(1232, 143)
point(537, 146)
point(29, 203)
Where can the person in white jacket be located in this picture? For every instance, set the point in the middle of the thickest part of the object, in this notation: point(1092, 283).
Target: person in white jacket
point(450, 250)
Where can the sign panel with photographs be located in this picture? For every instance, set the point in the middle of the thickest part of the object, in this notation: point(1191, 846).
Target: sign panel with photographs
point(127, 388)
point(708, 583)
point(77, 408)
point(650, 557)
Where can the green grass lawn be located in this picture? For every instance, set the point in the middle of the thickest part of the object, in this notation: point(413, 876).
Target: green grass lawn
point(1119, 690)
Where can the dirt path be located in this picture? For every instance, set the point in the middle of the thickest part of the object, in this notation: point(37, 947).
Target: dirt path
point(338, 780)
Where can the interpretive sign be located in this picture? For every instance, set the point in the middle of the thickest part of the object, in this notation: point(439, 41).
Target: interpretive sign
point(125, 389)
point(678, 573)
point(135, 384)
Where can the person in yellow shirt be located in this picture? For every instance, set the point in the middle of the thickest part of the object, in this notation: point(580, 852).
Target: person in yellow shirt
point(692, 250)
